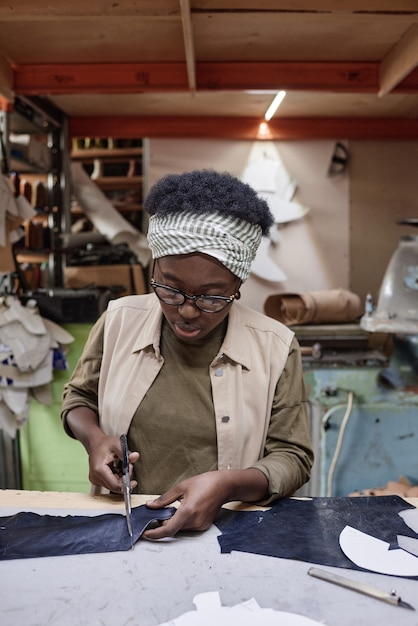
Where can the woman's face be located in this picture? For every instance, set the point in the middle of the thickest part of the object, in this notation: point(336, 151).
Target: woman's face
point(196, 274)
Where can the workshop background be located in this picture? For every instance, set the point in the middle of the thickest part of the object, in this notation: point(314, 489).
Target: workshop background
point(89, 123)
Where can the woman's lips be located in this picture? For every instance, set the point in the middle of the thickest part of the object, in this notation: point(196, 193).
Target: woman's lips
point(187, 331)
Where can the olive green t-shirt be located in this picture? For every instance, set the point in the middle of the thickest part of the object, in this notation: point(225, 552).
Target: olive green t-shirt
point(174, 428)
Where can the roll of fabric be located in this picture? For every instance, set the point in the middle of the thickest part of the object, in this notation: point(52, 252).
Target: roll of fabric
point(332, 306)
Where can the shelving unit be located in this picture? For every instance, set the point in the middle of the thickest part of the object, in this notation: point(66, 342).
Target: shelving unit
point(34, 118)
point(119, 174)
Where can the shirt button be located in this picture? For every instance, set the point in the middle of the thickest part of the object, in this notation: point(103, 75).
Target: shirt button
point(225, 419)
point(219, 372)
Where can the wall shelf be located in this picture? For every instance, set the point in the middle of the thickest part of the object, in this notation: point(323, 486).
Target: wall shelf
point(118, 172)
point(47, 164)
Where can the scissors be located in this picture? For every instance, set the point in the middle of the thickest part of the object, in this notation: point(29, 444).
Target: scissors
point(126, 480)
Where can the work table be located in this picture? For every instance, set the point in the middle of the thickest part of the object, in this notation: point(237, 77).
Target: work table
point(157, 581)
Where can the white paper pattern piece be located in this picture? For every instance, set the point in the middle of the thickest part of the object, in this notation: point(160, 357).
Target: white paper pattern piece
point(262, 175)
point(209, 611)
point(267, 174)
point(264, 267)
point(408, 543)
point(374, 555)
point(410, 517)
point(284, 210)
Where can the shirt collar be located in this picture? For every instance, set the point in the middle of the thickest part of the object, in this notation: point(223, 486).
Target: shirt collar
point(233, 346)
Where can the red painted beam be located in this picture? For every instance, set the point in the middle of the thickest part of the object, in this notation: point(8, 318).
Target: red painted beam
point(245, 128)
point(160, 77)
point(99, 78)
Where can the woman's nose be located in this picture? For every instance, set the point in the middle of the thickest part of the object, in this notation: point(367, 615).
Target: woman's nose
point(188, 310)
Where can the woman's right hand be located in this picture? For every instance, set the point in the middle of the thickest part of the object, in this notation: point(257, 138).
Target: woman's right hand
point(105, 451)
point(105, 456)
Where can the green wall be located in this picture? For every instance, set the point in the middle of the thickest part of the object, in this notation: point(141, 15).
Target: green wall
point(50, 459)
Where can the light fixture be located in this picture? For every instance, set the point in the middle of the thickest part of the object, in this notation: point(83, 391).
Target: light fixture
point(277, 100)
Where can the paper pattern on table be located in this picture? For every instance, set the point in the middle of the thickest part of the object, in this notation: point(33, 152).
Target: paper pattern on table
point(209, 611)
point(374, 554)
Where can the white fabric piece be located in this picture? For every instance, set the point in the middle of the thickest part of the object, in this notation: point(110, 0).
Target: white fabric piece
point(28, 350)
point(12, 373)
point(268, 174)
point(261, 175)
point(15, 399)
point(5, 351)
point(410, 517)
point(209, 611)
point(264, 267)
point(26, 361)
point(14, 410)
point(28, 317)
point(24, 331)
point(105, 218)
point(42, 375)
point(374, 554)
point(409, 544)
point(284, 210)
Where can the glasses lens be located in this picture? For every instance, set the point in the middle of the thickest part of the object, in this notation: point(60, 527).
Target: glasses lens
point(169, 296)
point(212, 305)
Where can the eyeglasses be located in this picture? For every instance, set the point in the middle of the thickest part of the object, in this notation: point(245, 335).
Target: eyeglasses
point(176, 297)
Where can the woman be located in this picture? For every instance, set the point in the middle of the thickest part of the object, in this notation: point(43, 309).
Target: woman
point(209, 392)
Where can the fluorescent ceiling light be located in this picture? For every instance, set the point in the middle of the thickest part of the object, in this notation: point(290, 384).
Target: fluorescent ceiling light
point(277, 100)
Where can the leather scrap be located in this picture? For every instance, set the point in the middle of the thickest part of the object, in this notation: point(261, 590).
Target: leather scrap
point(30, 535)
point(309, 530)
point(329, 306)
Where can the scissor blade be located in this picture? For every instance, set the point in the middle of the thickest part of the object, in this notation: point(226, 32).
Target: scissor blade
point(126, 481)
point(127, 499)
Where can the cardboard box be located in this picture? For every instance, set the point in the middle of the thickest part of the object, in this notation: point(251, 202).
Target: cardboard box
point(130, 277)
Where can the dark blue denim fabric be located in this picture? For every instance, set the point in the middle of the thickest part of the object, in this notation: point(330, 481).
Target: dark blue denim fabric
point(309, 530)
point(28, 535)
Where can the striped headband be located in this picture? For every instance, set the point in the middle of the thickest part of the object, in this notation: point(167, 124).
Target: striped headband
point(233, 241)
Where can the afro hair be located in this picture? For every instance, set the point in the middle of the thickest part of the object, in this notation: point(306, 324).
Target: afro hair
point(206, 191)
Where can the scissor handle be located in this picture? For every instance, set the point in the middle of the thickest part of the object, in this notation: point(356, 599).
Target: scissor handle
point(125, 453)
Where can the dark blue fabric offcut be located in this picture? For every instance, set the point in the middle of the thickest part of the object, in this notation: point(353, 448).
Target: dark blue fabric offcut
point(29, 535)
point(309, 530)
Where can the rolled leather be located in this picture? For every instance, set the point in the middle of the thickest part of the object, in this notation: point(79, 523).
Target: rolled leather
point(331, 306)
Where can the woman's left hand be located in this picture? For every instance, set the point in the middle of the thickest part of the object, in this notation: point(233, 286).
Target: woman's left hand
point(201, 497)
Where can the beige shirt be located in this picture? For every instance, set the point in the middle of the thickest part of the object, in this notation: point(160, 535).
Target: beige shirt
point(256, 380)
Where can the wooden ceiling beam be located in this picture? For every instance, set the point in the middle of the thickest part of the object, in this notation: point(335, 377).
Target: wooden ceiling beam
point(400, 61)
point(245, 128)
point(59, 9)
point(188, 43)
point(100, 78)
point(79, 78)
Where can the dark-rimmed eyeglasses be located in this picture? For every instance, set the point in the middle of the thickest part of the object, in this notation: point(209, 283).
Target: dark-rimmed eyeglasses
point(176, 297)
